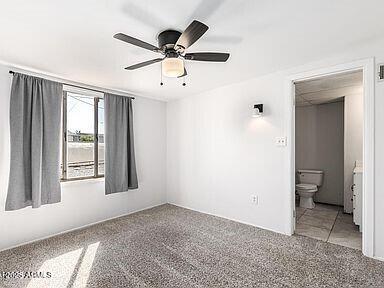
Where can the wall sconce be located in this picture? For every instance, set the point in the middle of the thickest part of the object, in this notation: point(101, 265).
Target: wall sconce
point(257, 110)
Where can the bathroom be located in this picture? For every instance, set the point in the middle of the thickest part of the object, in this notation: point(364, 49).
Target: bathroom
point(328, 158)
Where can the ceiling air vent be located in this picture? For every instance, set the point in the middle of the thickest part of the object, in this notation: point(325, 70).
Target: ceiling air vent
point(381, 72)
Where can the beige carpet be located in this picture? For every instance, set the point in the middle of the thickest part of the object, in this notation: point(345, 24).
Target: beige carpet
point(169, 246)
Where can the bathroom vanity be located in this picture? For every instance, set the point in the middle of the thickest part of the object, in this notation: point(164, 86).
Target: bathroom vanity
point(357, 189)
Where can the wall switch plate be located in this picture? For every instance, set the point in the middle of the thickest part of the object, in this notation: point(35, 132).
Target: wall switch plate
point(255, 199)
point(281, 141)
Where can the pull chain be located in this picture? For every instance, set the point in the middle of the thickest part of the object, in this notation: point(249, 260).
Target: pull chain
point(185, 75)
point(161, 78)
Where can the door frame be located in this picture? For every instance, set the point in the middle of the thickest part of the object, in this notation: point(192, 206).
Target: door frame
point(368, 68)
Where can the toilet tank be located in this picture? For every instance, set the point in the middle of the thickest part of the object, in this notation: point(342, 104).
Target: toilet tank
point(311, 177)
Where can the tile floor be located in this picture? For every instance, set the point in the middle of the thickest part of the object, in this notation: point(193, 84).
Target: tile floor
point(328, 223)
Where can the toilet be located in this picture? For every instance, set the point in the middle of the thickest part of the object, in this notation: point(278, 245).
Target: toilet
point(309, 181)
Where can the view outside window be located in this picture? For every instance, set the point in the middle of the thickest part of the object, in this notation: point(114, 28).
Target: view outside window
point(61, 145)
point(101, 135)
point(80, 136)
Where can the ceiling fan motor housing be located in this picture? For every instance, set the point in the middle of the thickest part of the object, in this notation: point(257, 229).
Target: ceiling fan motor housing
point(168, 38)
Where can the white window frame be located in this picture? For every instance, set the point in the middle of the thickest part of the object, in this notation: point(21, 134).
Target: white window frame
point(96, 97)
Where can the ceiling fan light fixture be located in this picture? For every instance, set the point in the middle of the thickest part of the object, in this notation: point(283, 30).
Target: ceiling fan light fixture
point(172, 67)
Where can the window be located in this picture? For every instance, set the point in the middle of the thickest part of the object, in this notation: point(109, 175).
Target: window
point(82, 151)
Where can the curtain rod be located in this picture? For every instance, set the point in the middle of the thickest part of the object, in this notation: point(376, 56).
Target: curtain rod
point(76, 86)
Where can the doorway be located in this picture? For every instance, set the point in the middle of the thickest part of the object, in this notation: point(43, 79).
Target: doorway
point(328, 158)
point(367, 208)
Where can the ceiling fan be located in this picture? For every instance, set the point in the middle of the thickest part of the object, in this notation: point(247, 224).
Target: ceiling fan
point(172, 44)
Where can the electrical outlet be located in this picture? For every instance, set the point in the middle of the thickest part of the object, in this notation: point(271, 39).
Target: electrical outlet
point(281, 141)
point(255, 199)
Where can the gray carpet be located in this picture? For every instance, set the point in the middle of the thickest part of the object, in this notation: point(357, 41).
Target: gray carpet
point(168, 246)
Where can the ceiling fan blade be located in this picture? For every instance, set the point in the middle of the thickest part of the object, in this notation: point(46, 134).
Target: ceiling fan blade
point(193, 32)
point(136, 42)
point(207, 56)
point(142, 64)
point(184, 74)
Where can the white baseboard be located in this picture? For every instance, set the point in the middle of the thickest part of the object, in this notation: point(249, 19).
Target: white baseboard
point(80, 227)
point(232, 219)
point(378, 258)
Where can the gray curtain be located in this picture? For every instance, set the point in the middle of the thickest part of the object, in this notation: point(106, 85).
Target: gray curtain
point(35, 111)
point(120, 167)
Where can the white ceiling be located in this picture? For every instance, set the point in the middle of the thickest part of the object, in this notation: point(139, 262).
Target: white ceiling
point(73, 39)
point(328, 89)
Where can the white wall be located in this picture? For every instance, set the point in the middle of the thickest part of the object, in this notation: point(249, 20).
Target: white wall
point(218, 156)
point(84, 202)
point(353, 143)
point(319, 145)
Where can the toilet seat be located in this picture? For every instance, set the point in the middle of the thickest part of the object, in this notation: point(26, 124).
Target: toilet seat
point(307, 187)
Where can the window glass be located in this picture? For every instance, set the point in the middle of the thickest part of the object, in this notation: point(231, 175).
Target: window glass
point(61, 142)
point(101, 135)
point(80, 136)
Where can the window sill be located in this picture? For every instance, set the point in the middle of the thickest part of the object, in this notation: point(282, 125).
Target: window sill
point(82, 181)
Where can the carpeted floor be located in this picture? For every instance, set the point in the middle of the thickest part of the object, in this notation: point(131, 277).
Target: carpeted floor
point(168, 246)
